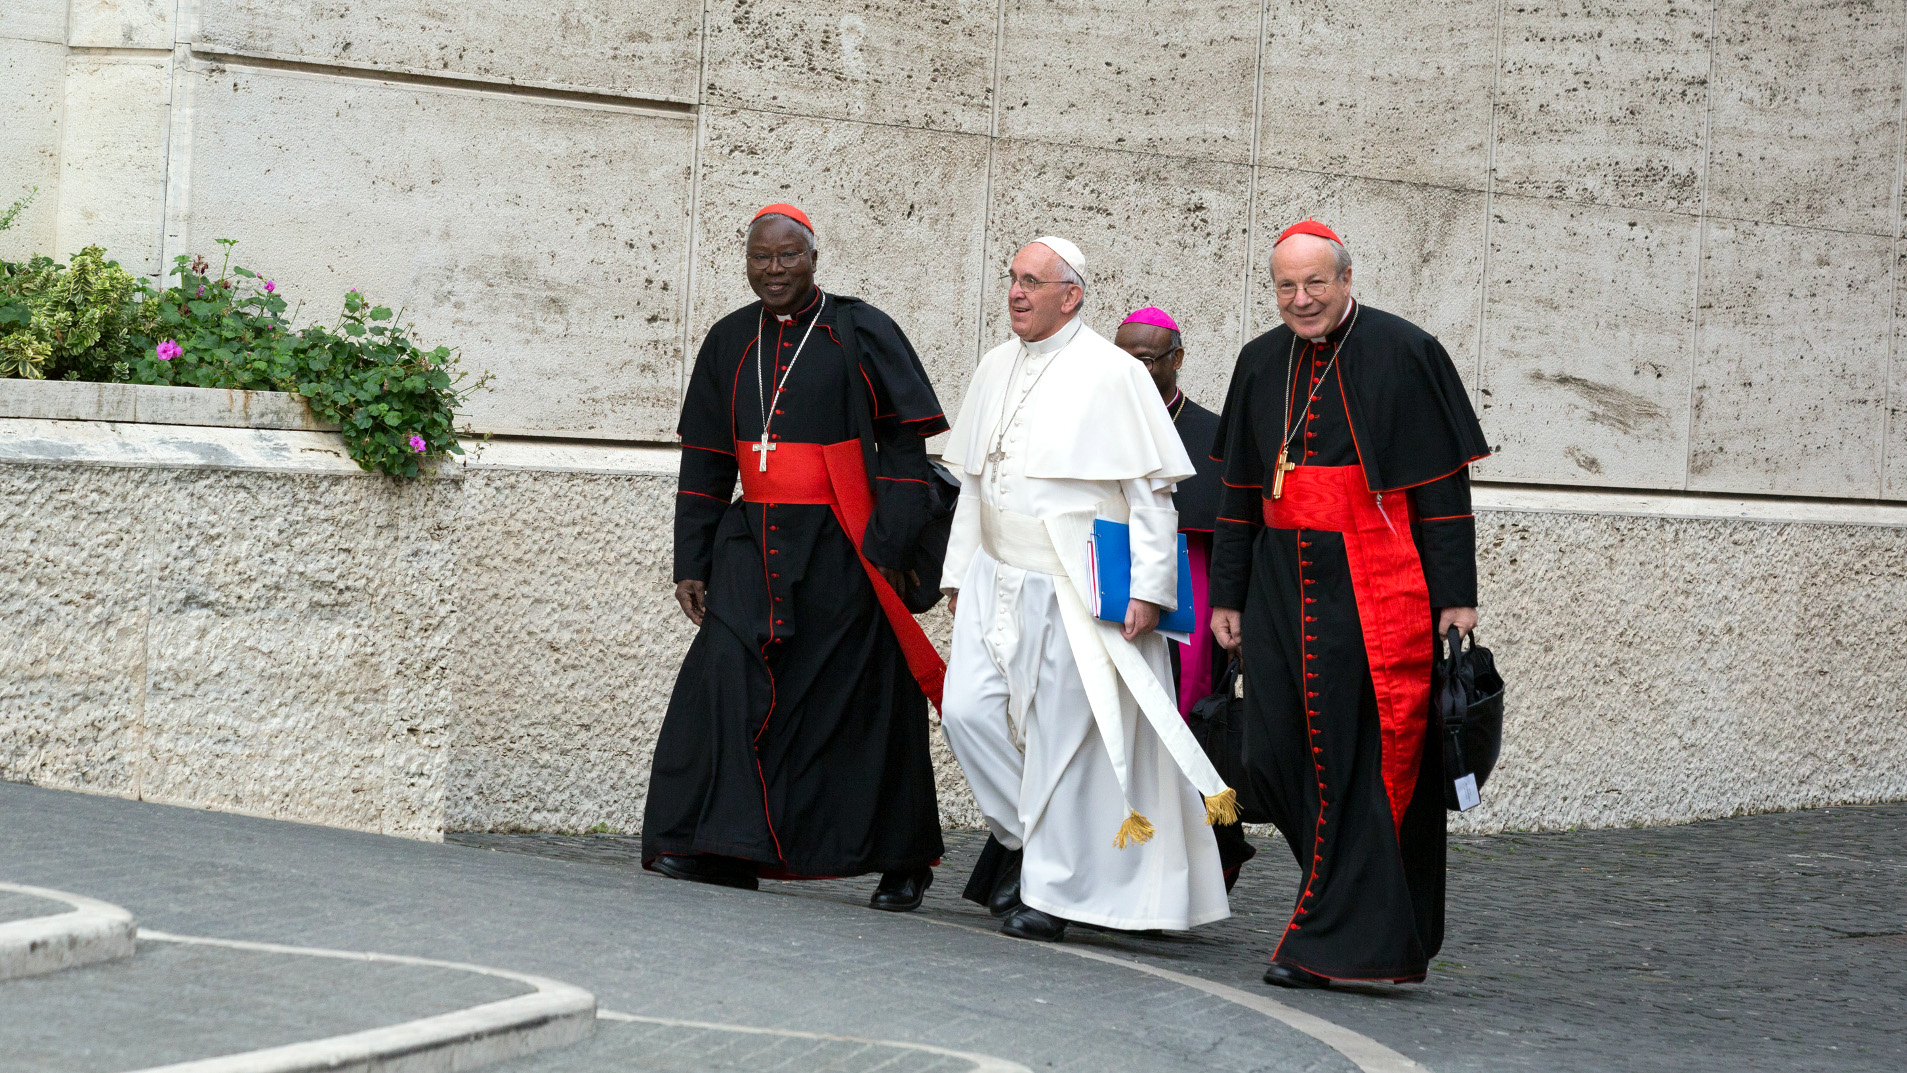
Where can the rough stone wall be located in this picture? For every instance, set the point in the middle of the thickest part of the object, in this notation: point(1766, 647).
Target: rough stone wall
point(1659, 240)
point(272, 632)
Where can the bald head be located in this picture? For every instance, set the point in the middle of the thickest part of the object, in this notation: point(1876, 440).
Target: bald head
point(1313, 279)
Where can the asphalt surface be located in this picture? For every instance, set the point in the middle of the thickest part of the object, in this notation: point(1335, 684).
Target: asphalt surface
point(1763, 943)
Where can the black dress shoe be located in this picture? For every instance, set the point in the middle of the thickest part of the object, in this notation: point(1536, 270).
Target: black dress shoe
point(1006, 890)
point(1284, 975)
point(901, 892)
point(708, 868)
point(1027, 922)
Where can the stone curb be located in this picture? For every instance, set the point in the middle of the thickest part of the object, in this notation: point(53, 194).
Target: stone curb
point(554, 1015)
point(94, 931)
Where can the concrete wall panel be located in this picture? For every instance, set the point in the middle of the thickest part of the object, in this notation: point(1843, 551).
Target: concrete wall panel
point(1075, 72)
point(1790, 370)
point(860, 60)
point(113, 159)
point(34, 20)
point(121, 23)
point(34, 73)
point(1640, 689)
point(1604, 101)
point(1588, 344)
point(546, 240)
point(1380, 89)
point(73, 665)
point(899, 215)
point(297, 641)
point(646, 48)
point(1806, 104)
point(571, 642)
point(1894, 472)
point(1417, 251)
point(1155, 231)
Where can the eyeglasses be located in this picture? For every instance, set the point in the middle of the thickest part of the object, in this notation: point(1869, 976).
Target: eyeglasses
point(785, 260)
point(1317, 288)
point(1150, 362)
point(1028, 283)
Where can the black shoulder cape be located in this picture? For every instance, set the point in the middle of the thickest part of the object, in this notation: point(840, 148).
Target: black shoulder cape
point(1197, 497)
point(1410, 413)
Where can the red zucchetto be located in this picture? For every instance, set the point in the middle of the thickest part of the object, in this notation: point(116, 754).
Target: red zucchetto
point(789, 211)
point(1309, 227)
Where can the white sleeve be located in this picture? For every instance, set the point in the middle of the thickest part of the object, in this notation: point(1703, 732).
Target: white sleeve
point(963, 539)
point(1155, 543)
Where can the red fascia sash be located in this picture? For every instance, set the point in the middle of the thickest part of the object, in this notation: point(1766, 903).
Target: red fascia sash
point(836, 474)
point(1393, 604)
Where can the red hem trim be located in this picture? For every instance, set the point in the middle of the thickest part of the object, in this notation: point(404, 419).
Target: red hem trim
point(1239, 521)
point(1229, 484)
point(1447, 518)
point(910, 480)
point(1433, 480)
point(712, 450)
point(918, 420)
point(704, 495)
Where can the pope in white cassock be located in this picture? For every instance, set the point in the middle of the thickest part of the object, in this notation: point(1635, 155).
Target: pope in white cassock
point(1065, 724)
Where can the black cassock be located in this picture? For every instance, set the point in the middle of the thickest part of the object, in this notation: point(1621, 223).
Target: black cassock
point(1390, 417)
point(796, 736)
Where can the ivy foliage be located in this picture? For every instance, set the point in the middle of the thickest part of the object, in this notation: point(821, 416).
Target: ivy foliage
point(394, 402)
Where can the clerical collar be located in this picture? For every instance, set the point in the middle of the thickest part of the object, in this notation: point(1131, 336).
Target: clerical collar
point(1177, 405)
point(1334, 333)
point(1056, 342)
point(814, 296)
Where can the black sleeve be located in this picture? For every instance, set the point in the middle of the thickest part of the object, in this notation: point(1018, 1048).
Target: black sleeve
point(705, 482)
point(1240, 513)
point(905, 412)
point(1446, 534)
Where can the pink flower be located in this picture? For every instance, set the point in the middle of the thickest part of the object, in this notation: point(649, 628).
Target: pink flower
point(417, 443)
point(167, 350)
point(270, 286)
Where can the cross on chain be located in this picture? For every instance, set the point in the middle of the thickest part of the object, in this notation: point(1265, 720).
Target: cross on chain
point(762, 449)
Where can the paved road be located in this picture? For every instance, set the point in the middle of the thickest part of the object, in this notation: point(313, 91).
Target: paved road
point(1765, 943)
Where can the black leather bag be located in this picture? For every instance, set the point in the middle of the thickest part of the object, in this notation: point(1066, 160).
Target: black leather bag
point(1218, 722)
point(1467, 694)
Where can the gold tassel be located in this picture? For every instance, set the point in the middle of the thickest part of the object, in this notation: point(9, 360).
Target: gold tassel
point(1136, 830)
point(1222, 808)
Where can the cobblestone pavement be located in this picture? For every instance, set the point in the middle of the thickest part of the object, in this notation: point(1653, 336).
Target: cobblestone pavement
point(642, 944)
point(172, 1003)
point(1764, 943)
point(1772, 942)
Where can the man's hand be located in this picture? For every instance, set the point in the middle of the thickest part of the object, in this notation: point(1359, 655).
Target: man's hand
point(693, 596)
point(1141, 618)
point(1463, 618)
point(898, 580)
point(953, 603)
point(1228, 627)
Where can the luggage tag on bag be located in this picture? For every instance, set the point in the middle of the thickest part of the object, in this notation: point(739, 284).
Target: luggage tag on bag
point(1467, 796)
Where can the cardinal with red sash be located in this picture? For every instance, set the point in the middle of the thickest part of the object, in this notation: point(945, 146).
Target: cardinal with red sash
point(1344, 539)
point(796, 740)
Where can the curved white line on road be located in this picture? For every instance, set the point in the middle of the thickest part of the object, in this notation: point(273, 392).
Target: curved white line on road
point(555, 1014)
point(1366, 1053)
point(982, 1063)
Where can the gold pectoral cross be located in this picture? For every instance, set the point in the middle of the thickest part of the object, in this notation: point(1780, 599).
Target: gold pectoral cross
point(1279, 470)
point(762, 449)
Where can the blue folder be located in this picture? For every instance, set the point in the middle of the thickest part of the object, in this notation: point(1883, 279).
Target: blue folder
point(1112, 574)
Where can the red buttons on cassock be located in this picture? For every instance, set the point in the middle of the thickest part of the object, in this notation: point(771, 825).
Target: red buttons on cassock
point(774, 528)
point(774, 575)
point(774, 551)
point(778, 622)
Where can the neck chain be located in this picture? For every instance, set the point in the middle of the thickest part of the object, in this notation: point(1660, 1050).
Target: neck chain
point(1182, 400)
point(998, 454)
point(762, 398)
point(1290, 382)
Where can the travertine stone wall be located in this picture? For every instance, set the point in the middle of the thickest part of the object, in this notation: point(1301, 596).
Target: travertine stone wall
point(1660, 240)
point(238, 619)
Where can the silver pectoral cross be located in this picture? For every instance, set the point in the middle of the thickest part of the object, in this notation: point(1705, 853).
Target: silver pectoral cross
point(996, 456)
point(762, 449)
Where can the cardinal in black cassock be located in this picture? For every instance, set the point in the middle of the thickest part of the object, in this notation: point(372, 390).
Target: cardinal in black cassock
point(796, 741)
point(1344, 535)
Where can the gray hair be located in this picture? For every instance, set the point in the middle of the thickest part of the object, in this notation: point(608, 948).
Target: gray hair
point(1068, 275)
point(759, 220)
point(1340, 257)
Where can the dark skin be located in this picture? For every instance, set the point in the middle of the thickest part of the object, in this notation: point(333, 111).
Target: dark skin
point(1152, 345)
point(780, 258)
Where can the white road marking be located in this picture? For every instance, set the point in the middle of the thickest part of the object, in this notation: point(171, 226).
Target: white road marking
point(1366, 1053)
point(982, 1063)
